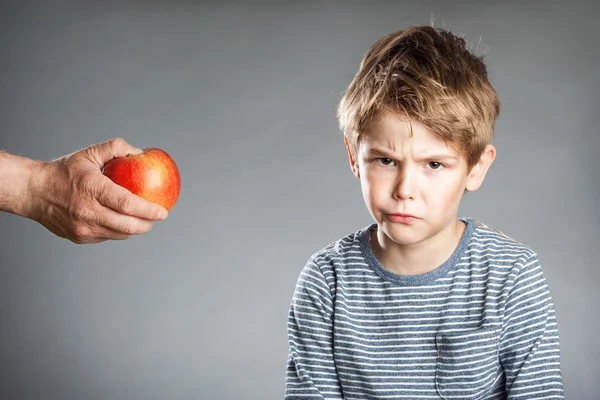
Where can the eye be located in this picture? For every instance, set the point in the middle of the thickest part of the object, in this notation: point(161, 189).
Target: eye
point(385, 161)
point(434, 165)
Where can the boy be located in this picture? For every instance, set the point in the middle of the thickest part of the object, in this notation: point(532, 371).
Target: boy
point(422, 304)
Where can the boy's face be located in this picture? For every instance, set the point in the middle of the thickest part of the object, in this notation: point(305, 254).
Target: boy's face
point(413, 185)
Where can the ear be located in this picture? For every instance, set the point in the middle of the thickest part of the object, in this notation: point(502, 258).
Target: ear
point(477, 174)
point(353, 161)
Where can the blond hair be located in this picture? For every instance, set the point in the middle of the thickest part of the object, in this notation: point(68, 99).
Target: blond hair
point(429, 75)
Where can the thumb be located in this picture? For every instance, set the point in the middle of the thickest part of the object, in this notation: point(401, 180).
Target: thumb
point(104, 152)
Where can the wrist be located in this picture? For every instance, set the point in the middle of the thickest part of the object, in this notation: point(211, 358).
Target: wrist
point(37, 175)
point(19, 181)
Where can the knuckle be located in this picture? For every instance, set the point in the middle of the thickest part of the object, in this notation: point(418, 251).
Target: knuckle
point(87, 183)
point(128, 228)
point(81, 234)
point(124, 202)
point(117, 141)
point(81, 214)
point(84, 218)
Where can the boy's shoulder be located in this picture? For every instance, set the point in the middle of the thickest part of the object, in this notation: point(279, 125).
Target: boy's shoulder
point(342, 247)
point(486, 237)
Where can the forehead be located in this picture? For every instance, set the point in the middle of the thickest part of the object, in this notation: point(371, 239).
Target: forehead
point(396, 132)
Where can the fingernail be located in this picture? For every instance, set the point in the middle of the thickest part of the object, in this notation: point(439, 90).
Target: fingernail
point(162, 214)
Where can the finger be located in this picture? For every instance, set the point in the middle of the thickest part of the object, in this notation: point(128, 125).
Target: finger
point(88, 234)
point(103, 234)
point(123, 201)
point(123, 224)
point(104, 152)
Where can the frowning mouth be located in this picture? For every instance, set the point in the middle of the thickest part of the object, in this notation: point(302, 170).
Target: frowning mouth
point(402, 218)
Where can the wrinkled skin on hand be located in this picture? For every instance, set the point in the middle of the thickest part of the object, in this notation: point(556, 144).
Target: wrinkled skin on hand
point(74, 200)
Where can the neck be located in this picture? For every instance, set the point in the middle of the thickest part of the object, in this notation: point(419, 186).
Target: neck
point(418, 258)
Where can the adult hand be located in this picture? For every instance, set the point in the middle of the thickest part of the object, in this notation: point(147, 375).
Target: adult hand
point(73, 199)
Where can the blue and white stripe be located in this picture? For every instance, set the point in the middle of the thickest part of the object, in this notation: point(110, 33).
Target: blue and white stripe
point(481, 326)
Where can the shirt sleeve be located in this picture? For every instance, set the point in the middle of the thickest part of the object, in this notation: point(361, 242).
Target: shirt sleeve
point(311, 372)
point(529, 341)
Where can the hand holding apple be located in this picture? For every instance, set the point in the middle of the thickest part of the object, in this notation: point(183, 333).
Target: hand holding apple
point(73, 199)
point(152, 175)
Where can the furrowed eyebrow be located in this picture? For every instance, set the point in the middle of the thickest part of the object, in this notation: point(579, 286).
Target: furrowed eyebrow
point(437, 157)
point(380, 153)
point(426, 157)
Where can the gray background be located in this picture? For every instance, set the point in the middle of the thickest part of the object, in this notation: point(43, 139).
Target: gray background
point(243, 97)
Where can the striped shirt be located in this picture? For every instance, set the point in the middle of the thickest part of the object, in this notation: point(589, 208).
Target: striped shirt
point(480, 326)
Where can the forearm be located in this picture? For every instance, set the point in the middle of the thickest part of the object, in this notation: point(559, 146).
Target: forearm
point(311, 369)
point(529, 345)
point(17, 184)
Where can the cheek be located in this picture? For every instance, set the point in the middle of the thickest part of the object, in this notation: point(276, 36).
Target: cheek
point(446, 197)
point(373, 180)
point(373, 187)
point(367, 188)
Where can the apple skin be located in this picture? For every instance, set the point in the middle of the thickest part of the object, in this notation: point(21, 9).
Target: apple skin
point(152, 175)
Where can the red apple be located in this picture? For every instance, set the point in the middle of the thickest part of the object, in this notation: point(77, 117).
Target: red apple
point(152, 175)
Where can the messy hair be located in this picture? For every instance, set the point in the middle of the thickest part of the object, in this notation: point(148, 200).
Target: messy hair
point(428, 75)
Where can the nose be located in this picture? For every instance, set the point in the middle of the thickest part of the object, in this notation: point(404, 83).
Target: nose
point(405, 184)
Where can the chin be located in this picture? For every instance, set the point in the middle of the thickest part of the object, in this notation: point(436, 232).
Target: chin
point(404, 235)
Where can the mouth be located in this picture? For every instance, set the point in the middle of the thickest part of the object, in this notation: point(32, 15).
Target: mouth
point(401, 217)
